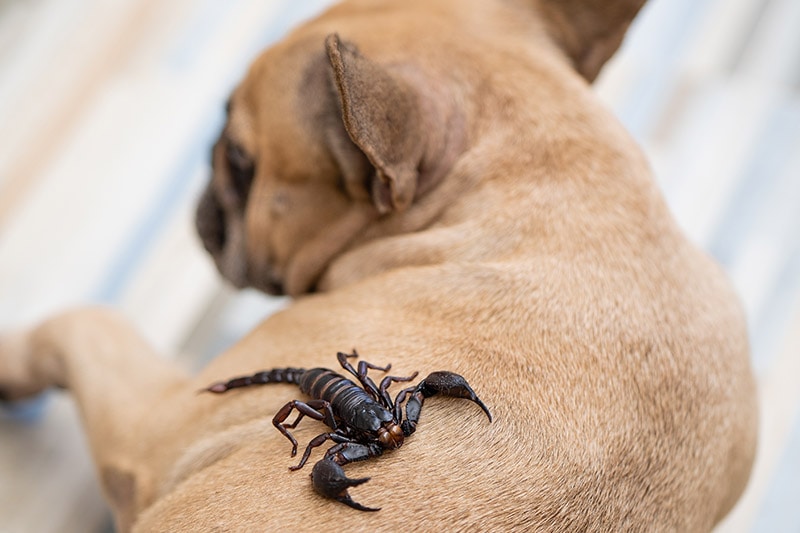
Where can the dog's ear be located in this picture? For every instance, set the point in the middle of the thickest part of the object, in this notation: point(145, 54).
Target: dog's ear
point(589, 31)
point(382, 117)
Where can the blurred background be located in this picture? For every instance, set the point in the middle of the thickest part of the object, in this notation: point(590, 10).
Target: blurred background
point(108, 109)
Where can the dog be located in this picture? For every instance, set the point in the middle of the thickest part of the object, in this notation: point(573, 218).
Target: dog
point(435, 184)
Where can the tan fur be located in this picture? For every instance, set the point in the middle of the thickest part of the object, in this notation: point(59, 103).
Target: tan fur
point(482, 214)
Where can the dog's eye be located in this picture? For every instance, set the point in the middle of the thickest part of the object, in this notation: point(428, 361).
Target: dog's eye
point(241, 170)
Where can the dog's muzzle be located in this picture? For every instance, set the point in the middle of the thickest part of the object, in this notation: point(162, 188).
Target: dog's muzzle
point(210, 223)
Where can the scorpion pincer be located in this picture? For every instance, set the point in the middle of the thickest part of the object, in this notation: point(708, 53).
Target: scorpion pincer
point(364, 420)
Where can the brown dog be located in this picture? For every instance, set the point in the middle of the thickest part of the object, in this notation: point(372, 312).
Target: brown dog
point(440, 175)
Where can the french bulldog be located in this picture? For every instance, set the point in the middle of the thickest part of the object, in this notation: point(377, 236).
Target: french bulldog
point(437, 185)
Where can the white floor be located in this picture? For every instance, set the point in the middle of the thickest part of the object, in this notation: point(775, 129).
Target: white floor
point(107, 111)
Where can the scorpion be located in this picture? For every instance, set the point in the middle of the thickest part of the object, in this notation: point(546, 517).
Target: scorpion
point(364, 420)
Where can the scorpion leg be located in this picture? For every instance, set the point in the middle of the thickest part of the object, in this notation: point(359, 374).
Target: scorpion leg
point(319, 440)
point(328, 476)
point(388, 380)
point(446, 383)
point(361, 373)
point(311, 409)
point(398, 401)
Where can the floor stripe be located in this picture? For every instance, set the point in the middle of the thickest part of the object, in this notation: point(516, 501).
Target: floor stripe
point(35, 155)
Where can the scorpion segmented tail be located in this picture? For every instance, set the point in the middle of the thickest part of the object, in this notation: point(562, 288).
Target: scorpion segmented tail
point(276, 375)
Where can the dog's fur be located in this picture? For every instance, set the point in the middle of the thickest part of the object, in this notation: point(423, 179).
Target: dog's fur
point(439, 175)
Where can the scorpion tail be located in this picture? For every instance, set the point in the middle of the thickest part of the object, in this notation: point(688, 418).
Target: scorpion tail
point(276, 375)
point(330, 481)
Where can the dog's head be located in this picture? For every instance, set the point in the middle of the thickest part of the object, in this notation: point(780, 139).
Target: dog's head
point(318, 143)
point(321, 142)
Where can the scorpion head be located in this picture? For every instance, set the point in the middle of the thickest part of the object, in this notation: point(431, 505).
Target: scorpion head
point(390, 435)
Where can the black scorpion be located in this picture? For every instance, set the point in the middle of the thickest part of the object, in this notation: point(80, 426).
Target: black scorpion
point(365, 421)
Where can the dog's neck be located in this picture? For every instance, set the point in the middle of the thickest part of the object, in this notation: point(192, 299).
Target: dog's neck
point(535, 146)
point(585, 146)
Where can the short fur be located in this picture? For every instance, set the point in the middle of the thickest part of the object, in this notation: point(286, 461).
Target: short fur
point(439, 175)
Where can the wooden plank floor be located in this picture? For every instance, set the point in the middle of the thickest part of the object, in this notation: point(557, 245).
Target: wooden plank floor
point(107, 112)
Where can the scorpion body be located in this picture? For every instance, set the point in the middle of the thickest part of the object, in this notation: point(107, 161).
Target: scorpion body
point(364, 420)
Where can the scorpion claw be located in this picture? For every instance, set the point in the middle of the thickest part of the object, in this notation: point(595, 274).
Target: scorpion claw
point(329, 480)
point(450, 384)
